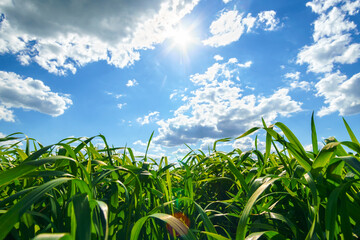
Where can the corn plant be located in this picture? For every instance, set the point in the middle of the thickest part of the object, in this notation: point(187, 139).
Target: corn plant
point(75, 190)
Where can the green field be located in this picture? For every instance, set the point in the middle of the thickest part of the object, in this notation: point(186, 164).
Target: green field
point(74, 190)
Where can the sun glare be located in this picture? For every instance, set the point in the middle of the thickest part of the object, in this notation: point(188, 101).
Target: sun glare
point(181, 38)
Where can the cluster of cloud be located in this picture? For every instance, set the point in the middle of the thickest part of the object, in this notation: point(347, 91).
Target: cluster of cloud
point(333, 44)
point(151, 117)
point(340, 93)
point(62, 36)
point(231, 25)
point(295, 76)
point(132, 83)
point(30, 94)
point(217, 108)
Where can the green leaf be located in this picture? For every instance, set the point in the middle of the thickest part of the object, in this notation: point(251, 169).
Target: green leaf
point(175, 223)
point(83, 216)
point(323, 157)
point(241, 228)
point(351, 134)
point(238, 175)
point(215, 236)
point(27, 167)
point(292, 139)
point(53, 236)
point(148, 145)
point(12, 216)
point(248, 132)
point(313, 135)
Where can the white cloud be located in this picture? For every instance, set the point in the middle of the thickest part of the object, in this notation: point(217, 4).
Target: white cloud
point(6, 114)
point(333, 23)
point(172, 95)
point(132, 83)
point(247, 143)
point(245, 65)
point(231, 25)
point(333, 45)
point(121, 105)
point(217, 108)
point(62, 36)
point(31, 94)
point(303, 85)
point(139, 142)
point(207, 143)
point(155, 150)
point(151, 117)
point(269, 19)
point(226, 1)
point(352, 7)
point(294, 76)
point(322, 55)
point(117, 96)
point(226, 29)
point(341, 94)
point(181, 151)
point(320, 6)
point(332, 38)
point(218, 58)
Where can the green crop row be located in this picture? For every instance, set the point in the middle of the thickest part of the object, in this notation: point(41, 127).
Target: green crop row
point(75, 190)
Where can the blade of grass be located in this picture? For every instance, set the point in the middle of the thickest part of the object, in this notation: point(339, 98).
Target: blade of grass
point(83, 217)
point(8, 220)
point(175, 223)
point(351, 134)
point(242, 228)
point(314, 136)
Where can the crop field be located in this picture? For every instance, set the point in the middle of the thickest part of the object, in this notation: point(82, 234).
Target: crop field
point(75, 190)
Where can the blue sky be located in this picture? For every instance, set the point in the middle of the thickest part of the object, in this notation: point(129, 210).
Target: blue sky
point(192, 71)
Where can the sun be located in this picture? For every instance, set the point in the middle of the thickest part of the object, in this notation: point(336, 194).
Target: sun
point(181, 38)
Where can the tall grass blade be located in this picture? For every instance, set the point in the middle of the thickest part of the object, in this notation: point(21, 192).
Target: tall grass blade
point(8, 220)
point(242, 228)
point(350, 132)
point(148, 145)
point(314, 139)
point(175, 223)
point(83, 217)
point(53, 236)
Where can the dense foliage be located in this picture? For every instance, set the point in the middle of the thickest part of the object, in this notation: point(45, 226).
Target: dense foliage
point(74, 190)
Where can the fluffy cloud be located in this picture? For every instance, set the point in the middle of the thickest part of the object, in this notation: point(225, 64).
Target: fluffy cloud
point(217, 108)
point(320, 6)
point(333, 45)
point(333, 23)
point(155, 150)
point(303, 85)
point(231, 25)
point(121, 105)
point(62, 36)
point(218, 58)
point(340, 93)
point(6, 114)
point(294, 76)
point(151, 117)
point(247, 143)
point(332, 37)
point(28, 93)
point(322, 55)
point(132, 83)
point(269, 19)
